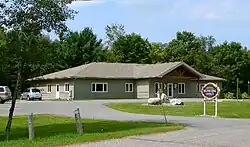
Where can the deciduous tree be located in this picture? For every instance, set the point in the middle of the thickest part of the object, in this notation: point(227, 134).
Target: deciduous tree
point(27, 19)
point(230, 61)
point(113, 32)
point(132, 48)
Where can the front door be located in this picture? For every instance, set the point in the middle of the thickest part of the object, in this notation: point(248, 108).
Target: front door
point(57, 91)
point(170, 89)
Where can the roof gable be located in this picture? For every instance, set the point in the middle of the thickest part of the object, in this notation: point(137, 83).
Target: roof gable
point(179, 64)
point(153, 70)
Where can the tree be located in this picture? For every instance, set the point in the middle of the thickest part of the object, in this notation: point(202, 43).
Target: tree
point(54, 61)
point(188, 48)
point(132, 48)
point(37, 15)
point(24, 50)
point(2, 42)
point(40, 66)
point(207, 42)
point(27, 19)
point(2, 6)
point(113, 32)
point(82, 47)
point(157, 52)
point(230, 61)
point(3, 80)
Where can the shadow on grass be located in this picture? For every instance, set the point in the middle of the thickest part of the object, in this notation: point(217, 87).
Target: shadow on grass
point(90, 127)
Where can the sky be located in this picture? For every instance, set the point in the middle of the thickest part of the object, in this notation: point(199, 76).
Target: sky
point(159, 20)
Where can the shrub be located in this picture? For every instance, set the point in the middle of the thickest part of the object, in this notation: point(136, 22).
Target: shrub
point(228, 95)
point(221, 95)
point(239, 94)
point(244, 95)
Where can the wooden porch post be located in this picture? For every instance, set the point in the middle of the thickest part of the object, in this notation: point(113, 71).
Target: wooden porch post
point(198, 84)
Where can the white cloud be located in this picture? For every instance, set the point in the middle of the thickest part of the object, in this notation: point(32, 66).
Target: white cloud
point(212, 16)
point(211, 10)
point(222, 10)
point(147, 8)
point(217, 10)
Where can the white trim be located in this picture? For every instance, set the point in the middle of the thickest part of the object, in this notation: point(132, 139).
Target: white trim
point(58, 92)
point(171, 90)
point(95, 83)
point(48, 88)
point(201, 87)
point(180, 92)
point(129, 90)
point(65, 87)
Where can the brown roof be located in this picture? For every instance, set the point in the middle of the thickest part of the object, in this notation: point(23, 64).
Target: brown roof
point(118, 71)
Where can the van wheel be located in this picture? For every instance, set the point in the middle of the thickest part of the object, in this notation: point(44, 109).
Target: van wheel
point(1, 101)
point(28, 98)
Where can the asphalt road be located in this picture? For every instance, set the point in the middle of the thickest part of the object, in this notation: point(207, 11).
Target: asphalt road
point(201, 132)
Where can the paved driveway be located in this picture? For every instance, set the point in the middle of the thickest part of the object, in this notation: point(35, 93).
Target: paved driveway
point(203, 132)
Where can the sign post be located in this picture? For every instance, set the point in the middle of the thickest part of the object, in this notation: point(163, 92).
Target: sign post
point(210, 92)
point(204, 109)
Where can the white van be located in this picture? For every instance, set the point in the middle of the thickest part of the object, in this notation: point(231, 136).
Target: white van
point(31, 94)
point(5, 94)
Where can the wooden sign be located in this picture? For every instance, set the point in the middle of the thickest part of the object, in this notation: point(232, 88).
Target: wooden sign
point(210, 91)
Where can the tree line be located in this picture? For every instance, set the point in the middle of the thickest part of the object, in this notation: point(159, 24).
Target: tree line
point(26, 50)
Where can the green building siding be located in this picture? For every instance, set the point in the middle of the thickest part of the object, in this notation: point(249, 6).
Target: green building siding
point(144, 88)
point(116, 89)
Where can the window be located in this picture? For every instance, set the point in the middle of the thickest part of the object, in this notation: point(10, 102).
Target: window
point(35, 90)
point(49, 88)
point(181, 88)
point(99, 87)
point(1, 89)
point(128, 87)
point(66, 87)
point(7, 89)
point(156, 87)
point(57, 88)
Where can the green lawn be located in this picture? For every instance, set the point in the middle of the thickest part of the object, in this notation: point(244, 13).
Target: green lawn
point(56, 131)
point(225, 109)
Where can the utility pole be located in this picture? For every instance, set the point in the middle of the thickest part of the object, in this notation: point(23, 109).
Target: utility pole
point(237, 91)
point(248, 83)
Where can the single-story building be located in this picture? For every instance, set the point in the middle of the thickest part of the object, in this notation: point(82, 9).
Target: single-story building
point(123, 80)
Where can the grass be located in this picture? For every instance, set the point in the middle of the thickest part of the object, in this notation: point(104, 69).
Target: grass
point(225, 109)
point(57, 131)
